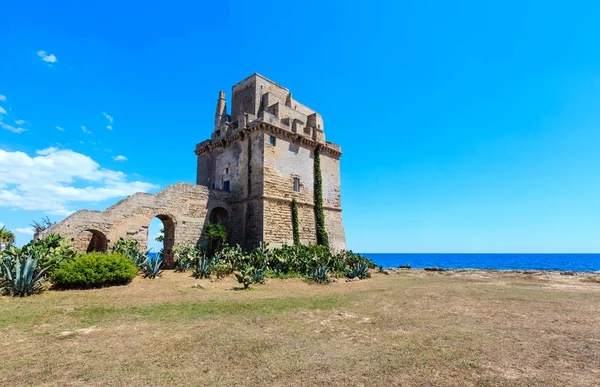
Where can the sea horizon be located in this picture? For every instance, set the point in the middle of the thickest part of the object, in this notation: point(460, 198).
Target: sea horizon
point(585, 262)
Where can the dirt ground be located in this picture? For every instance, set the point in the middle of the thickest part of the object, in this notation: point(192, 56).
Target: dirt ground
point(410, 327)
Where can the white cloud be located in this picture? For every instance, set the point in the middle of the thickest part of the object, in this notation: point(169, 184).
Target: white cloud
point(59, 181)
point(47, 58)
point(109, 118)
point(11, 128)
point(20, 122)
point(47, 151)
point(85, 130)
point(1, 224)
point(59, 128)
point(2, 111)
point(26, 231)
point(120, 158)
point(109, 127)
point(2, 97)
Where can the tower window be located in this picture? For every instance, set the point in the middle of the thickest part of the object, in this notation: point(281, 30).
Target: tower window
point(272, 140)
point(218, 132)
point(227, 171)
point(296, 184)
point(226, 186)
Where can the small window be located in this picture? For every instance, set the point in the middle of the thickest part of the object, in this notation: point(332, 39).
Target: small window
point(218, 133)
point(296, 184)
point(227, 171)
point(272, 140)
point(226, 186)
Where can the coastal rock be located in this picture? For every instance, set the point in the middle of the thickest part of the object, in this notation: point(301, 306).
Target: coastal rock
point(386, 272)
point(567, 273)
point(435, 269)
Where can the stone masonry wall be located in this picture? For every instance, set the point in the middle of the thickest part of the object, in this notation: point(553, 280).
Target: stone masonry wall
point(283, 162)
point(182, 207)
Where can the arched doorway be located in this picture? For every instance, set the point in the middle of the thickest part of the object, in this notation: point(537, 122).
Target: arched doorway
point(161, 237)
point(219, 215)
point(97, 241)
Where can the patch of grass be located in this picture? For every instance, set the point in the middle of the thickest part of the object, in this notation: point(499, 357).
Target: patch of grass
point(211, 309)
point(413, 328)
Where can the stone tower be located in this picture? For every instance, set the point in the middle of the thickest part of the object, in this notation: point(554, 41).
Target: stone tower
point(257, 160)
point(261, 156)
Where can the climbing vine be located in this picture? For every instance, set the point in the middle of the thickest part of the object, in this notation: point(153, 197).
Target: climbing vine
point(295, 224)
point(322, 238)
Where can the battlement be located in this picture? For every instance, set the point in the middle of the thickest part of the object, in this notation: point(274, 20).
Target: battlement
point(257, 100)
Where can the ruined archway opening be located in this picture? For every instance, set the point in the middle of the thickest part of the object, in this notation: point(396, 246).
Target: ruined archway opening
point(219, 215)
point(161, 237)
point(97, 241)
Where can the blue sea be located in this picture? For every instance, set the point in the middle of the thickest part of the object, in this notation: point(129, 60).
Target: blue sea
point(563, 262)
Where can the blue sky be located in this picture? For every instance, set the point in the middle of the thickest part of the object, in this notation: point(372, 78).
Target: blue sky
point(466, 127)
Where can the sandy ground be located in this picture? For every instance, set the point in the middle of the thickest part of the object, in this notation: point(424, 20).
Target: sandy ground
point(410, 327)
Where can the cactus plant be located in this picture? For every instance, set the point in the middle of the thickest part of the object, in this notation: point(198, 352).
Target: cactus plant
point(245, 276)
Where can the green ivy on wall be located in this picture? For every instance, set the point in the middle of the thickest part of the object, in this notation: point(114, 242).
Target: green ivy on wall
point(322, 238)
point(295, 223)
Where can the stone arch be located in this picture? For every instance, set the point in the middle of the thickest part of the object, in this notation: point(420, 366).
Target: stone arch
point(169, 224)
point(219, 215)
point(97, 242)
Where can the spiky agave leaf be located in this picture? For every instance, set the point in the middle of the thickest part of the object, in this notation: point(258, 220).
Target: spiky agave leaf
point(21, 278)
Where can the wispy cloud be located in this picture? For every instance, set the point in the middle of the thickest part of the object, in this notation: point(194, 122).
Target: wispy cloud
point(59, 128)
point(2, 111)
point(120, 158)
point(85, 130)
point(20, 122)
point(26, 231)
point(11, 128)
point(2, 97)
point(48, 58)
point(109, 118)
point(59, 181)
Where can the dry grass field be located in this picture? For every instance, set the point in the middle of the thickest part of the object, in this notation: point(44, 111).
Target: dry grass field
point(407, 328)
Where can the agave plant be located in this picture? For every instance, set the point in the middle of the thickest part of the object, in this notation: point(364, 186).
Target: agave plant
point(152, 266)
point(360, 270)
point(20, 276)
point(202, 267)
point(246, 276)
point(259, 275)
point(319, 275)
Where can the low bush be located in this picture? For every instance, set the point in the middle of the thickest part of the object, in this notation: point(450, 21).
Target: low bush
point(50, 252)
point(95, 270)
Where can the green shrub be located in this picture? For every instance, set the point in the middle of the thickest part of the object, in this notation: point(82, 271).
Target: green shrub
point(215, 236)
point(95, 270)
point(186, 256)
point(131, 249)
point(20, 276)
point(50, 252)
point(246, 276)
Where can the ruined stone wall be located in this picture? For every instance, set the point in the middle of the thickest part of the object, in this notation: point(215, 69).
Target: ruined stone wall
point(183, 208)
